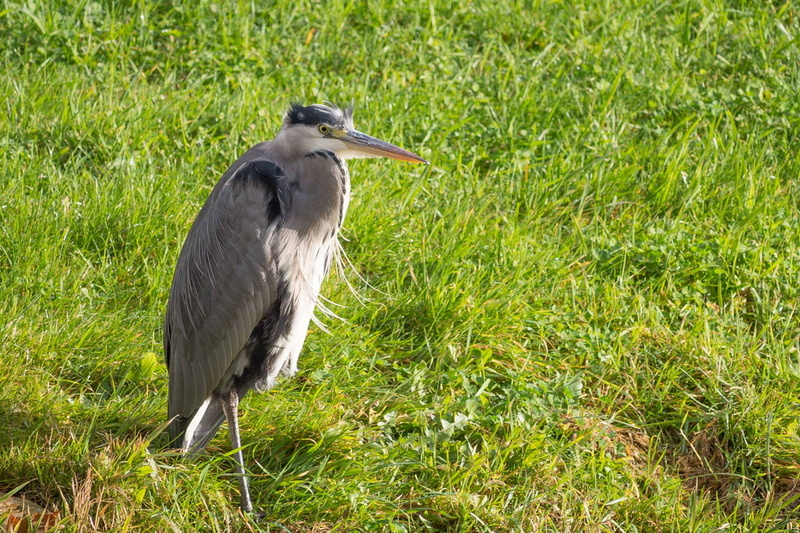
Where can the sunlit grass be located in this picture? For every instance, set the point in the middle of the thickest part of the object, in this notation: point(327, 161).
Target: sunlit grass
point(583, 316)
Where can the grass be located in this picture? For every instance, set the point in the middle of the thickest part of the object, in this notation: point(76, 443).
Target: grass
point(583, 316)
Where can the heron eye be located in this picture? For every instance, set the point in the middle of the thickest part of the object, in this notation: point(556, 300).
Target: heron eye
point(324, 129)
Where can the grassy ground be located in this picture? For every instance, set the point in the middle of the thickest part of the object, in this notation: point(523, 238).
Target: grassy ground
point(583, 316)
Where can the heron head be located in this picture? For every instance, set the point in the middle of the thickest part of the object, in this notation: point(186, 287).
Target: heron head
point(327, 127)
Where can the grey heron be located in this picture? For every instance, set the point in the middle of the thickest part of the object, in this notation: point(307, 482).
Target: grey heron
point(248, 277)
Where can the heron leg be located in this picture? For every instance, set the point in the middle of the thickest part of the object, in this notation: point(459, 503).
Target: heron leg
point(230, 404)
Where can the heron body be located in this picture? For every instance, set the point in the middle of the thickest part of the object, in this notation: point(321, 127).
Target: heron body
point(248, 277)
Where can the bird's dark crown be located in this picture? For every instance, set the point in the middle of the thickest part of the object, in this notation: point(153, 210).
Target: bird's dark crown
point(317, 114)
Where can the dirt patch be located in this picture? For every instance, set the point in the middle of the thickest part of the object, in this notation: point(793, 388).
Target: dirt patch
point(700, 461)
point(637, 446)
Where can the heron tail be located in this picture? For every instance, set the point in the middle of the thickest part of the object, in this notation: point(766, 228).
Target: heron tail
point(192, 434)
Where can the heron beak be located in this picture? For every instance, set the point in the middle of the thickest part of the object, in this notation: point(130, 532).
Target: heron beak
point(367, 146)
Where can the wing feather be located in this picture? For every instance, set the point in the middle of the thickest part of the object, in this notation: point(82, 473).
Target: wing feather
point(224, 283)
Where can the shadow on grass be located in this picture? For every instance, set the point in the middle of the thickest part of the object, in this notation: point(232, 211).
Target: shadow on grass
point(54, 443)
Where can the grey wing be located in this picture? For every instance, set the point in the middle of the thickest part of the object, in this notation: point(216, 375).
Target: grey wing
point(225, 281)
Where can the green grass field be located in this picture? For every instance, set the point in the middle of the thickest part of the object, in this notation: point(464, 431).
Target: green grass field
point(581, 317)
